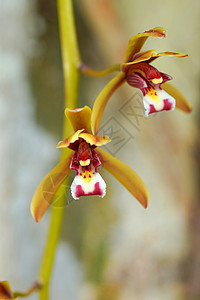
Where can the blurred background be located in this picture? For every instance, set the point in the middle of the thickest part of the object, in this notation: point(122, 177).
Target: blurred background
point(110, 248)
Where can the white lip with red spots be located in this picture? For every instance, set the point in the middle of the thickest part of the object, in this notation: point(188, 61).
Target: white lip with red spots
point(87, 183)
point(157, 100)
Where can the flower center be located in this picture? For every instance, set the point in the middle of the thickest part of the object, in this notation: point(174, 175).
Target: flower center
point(152, 93)
point(84, 163)
point(84, 153)
point(157, 80)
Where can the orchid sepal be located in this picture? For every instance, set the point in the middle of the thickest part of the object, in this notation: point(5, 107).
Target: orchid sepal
point(79, 118)
point(126, 176)
point(102, 99)
point(136, 42)
point(49, 186)
point(181, 101)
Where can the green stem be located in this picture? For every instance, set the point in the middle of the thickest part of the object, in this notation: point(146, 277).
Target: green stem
point(71, 60)
point(98, 73)
point(70, 55)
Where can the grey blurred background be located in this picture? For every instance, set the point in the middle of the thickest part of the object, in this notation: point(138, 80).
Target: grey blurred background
point(110, 248)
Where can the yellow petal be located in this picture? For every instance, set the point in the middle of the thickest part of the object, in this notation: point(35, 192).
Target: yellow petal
point(5, 290)
point(136, 42)
point(181, 101)
point(102, 99)
point(48, 188)
point(126, 176)
point(168, 53)
point(94, 139)
point(73, 138)
point(147, 56)
point(79, 118)
point(140, 57)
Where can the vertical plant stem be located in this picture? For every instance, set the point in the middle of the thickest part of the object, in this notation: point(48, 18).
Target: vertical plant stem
point(71, 61)
point(70, 55)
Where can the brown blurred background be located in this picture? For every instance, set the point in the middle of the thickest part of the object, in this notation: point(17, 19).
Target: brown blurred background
point(110, 248)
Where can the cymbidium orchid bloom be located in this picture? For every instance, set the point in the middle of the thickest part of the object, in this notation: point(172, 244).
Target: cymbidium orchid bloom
point(137, 71)
point(5, 291)
point(140, 74)
point(84, 157)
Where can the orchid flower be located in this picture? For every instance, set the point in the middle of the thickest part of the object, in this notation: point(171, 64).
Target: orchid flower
point(138, 72)
point(84, 157)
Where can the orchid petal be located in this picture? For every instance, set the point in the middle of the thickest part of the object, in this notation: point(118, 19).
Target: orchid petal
point(148, 56)
point(136, 42)
point(5, 290)
point(126, 176)
point(72, 139)
point(137, 58)
point(181, 101)
point(79, 118)
point(136, 81)
point(94, 139)
point(48, 188)
point(167, 53)
point(102, 99)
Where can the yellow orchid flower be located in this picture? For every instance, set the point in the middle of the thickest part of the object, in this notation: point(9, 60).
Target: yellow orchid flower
point(85, 159)
point(138, 72)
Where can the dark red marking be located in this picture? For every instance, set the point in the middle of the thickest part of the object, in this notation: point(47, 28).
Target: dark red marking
point(167, 106)
point(84, 151)
point(80, 192)
point(95, 161)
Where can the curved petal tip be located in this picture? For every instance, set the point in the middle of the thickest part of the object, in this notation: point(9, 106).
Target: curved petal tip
point(126, 176)
point(79, 118)
point(181, 101)
point(48, 187)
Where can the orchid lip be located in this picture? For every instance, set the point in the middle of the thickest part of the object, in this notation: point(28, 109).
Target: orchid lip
point(87, 183)
point(156, 100)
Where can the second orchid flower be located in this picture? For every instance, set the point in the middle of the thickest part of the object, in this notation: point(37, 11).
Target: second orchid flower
point(138, 72)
